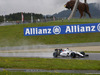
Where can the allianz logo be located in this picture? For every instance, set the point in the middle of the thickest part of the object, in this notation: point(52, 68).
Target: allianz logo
point(56, 30)
point(80, 29)
point(37, 31)
point(42, 31)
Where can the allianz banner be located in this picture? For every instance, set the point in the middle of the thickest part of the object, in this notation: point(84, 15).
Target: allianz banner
point(62, 29)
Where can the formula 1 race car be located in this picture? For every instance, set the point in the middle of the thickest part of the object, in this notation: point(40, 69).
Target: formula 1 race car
point(68, 53)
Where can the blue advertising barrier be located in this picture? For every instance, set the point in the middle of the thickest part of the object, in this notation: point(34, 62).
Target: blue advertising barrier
point(62, 29)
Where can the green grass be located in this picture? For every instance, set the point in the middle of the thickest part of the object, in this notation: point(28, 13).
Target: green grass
point(85, 20)
point(49, 64)
point(40, 73)
point(14, 36)
point(92, 51)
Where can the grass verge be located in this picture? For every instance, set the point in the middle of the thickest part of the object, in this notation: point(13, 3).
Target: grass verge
point(92, 51)
point(14, 36)
point(49, 64)
point(40, 73)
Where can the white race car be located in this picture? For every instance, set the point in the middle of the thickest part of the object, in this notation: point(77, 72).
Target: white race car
point(68, 53)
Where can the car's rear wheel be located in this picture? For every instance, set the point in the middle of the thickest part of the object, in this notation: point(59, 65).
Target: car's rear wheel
point(55, 55)
point(73, 55)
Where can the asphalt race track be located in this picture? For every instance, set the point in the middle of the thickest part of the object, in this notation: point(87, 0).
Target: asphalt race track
point(46, 51)
point(92, 56)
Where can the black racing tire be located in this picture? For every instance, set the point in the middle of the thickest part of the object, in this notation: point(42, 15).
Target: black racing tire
point(83, 53)
point(73, 55)
point(55, 55)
